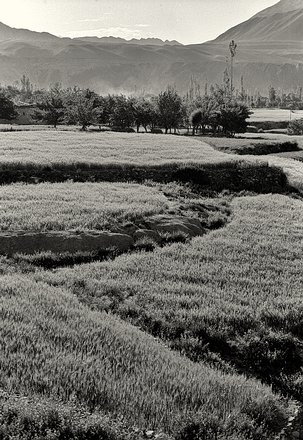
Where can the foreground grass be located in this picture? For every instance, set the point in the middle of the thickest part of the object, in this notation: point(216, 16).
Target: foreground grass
point(53, 346)
point(76, 206)
point(233, 297)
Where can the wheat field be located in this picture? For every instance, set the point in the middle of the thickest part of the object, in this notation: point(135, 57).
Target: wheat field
point(76, 206)
point(54, 346)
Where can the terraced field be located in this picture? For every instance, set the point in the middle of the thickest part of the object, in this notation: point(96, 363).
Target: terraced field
point(77, 206)
point(49, 147)
point(195, 340)
point(219, 298)
point(55, 346)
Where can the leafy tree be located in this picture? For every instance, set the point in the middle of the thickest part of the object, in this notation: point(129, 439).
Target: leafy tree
point(232, 117)
point(272, 97)
point(123, 115)
point(104, 110)
point(52, 107)
point(26, 88)
point(205, 115)
point(170, 109)
point(81, 107)
point(7, 107)
point(144, 112)
point(196, 119)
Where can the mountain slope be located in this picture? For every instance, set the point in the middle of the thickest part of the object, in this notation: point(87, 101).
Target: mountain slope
point(270, 52)
point(283, 21)
point(8, 33)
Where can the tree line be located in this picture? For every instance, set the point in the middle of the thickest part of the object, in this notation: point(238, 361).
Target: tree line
point(216, 112)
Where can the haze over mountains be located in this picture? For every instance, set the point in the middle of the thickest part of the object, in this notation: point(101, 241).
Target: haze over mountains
point(270, 51)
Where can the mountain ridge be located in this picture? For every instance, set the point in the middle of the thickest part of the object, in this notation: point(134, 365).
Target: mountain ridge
point(8, 33)
point(280, 22)
point(110, 65)
point(142, 41)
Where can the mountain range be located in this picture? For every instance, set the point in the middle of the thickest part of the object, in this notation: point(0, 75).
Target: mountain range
point(270, 52)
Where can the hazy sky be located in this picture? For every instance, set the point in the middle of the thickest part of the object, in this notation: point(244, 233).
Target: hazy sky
point(188, 21)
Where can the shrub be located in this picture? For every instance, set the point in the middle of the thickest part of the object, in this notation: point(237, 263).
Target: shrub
point(234, 176)
point(296, 127)
point(270, 125)
point(264, 148)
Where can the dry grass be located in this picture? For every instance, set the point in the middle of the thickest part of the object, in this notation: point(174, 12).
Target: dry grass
point(76, 206)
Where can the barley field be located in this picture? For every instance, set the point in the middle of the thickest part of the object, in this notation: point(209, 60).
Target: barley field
point(48, 147)
point(218, 298)
point(204, 333)
point(76, 206)
point(55, 346)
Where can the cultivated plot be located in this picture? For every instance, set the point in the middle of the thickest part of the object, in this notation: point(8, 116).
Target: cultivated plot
point(76, 206)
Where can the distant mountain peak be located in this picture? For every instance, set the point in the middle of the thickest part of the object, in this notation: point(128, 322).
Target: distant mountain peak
point(281, 22)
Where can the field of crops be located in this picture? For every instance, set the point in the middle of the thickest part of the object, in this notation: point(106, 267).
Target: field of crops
point(198, 339)
point(47, 147)
point(76, 206)
point(219, 298)
point(292, 168)
point(54, 346)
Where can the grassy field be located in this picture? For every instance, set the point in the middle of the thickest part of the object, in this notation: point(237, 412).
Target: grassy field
point(181, 339)
point(59, 156)
point(49, 147)
point(76, 206)
point(54, 346)
point(228, 297)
